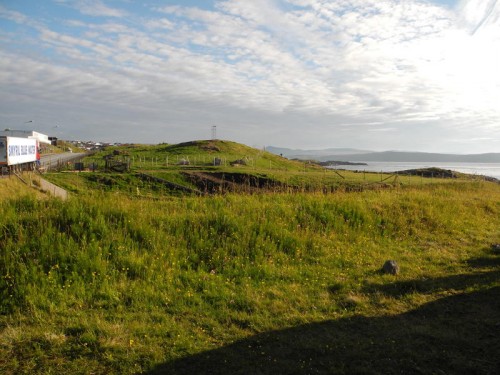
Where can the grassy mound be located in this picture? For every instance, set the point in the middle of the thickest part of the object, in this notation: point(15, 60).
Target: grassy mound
point(202, 154)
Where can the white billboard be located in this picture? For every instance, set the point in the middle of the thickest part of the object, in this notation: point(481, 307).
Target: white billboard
point(15, 150)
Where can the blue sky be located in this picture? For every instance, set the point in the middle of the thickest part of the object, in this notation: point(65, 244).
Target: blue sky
point(370, 74)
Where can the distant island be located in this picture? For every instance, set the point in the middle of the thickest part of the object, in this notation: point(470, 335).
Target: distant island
point(328, 163)
point(334, 163)
point(348, 155)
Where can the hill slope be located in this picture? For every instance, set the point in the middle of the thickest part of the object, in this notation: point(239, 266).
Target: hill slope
point(205, 153)
point(398, 156)
point(306, 154)
point(353, 155)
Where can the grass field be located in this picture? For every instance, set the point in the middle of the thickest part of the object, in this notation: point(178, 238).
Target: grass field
point(267, 267)
point(157, 172)
point(113, 282)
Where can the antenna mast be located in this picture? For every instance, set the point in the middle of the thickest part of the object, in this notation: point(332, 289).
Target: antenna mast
point(214, 132)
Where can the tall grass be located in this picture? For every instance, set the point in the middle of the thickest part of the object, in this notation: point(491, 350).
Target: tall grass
point(102, 285)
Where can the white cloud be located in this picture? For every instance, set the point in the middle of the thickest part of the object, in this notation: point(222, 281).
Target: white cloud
point(282, 63)
point(479, 14)
point(162, 23)
point(13, 15)
point(97, 8)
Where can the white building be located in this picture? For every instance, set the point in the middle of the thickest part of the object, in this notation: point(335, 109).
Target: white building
point(42, 138)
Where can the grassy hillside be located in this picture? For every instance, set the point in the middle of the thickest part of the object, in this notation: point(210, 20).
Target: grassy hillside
point(200, 153)
point(158, 171)
point(115, 283)
point(12, 187)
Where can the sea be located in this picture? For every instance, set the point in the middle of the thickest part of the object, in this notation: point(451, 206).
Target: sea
point(480, 169)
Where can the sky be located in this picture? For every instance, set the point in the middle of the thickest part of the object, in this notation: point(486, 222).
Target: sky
point(414, 75)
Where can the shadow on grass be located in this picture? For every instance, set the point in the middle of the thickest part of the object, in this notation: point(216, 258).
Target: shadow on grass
point(431, 285)
point(486, 271)
point(485, 262)
point(454, 335)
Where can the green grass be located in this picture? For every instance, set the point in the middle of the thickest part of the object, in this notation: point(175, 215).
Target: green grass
point(11, 187)
point(113, 282)
point(199, 154)
point(262, 171)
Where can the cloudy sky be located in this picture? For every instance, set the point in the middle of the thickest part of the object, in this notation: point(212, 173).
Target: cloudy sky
point(421, 75)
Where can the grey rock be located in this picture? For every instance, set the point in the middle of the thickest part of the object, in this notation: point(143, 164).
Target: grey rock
point(496, 248)
point(391, 267)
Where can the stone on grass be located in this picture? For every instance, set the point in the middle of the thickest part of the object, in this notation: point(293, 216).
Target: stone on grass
point(496, 248)
point(391, 266)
